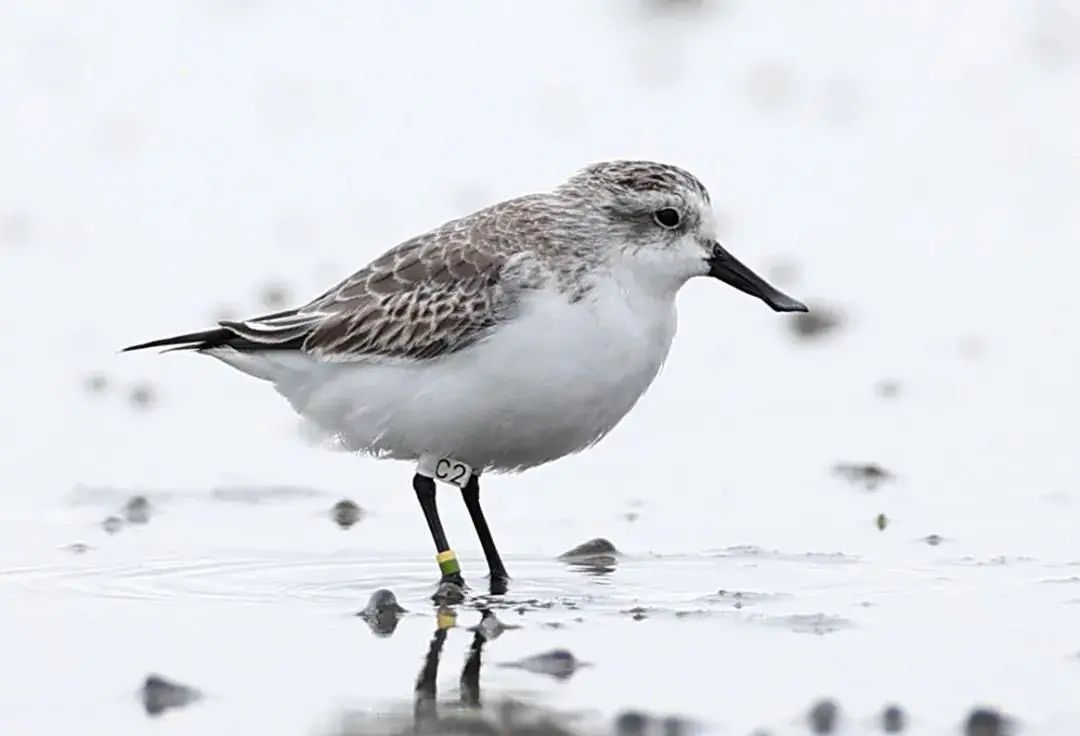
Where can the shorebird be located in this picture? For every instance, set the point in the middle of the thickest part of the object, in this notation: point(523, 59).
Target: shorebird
point(499, 341)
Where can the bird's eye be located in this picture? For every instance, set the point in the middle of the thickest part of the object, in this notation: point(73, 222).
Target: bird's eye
point(668, 218)
point(718, 250)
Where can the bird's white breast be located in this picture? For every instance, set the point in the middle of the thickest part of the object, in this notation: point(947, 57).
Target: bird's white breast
point(552, 381)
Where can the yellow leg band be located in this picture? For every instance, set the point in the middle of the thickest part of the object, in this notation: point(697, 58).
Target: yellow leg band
point(445, 619)
point(448, 563)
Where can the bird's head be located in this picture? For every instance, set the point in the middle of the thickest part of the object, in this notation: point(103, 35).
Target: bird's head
point(658, 220)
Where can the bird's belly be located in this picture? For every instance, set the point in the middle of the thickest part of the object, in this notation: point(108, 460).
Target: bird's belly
point(551, 382)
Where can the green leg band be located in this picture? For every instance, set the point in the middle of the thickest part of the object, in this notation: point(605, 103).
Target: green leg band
point(448, 563)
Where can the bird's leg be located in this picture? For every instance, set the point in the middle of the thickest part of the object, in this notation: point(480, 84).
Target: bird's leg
point(471, 494)
point(448, 564)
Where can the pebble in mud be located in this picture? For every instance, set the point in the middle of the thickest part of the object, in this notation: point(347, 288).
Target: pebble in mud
point(112, 524)
point(893, 719)
point(823, 717)
point(382, 612)
point(869, 475)
point(345, 513)
point(96, 383)
point(987, 722)
point(159, 694)
point(596, 553)
point(816, 324)
point(882, 521)
point(632, 723)
point(558, 663)
point(676, 726)
point(142, 396)
point(448, 593)
point(933, 539)
point(137, 510)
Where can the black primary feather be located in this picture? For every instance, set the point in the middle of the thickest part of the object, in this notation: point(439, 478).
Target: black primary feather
point(221, 337)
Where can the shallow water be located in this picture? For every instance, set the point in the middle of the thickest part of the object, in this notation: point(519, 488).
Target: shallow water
point(730, 639)
point(878, 507)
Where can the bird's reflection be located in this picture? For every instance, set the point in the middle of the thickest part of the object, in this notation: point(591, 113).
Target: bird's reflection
point(468, 713)
point(425, 707)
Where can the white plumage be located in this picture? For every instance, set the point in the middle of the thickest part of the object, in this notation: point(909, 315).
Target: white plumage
point(551, 381)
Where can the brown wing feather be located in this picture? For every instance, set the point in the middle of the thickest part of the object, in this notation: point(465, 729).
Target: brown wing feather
point(431, 295)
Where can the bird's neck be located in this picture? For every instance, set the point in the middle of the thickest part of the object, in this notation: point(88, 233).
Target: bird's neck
point(644, 284)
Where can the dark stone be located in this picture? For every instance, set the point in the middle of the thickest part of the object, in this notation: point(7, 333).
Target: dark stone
point(819, 322)
point(869, 475)
point(823, 717)
point(159, 694)
point(595, 556)
point(97, 383)
point(137, 510)
point(893, 719)
point(987, 722)
point(597, 546)
point(675, 726)
point(346, 513)
point(382, 612)
point(558, 663)
point(142, 396)
point(632, 723)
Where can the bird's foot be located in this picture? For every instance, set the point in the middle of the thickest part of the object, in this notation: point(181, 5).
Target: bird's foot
point(498, 582)
point(451, 590)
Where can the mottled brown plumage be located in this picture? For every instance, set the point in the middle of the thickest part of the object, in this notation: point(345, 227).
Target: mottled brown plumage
point(442, 291)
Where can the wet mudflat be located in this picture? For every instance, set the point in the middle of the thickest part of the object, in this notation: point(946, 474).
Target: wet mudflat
point(258, 630)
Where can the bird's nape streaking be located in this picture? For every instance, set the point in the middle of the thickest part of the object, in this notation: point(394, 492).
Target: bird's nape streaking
point(499, 341)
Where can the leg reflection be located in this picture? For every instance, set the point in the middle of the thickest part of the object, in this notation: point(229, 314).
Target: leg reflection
point(470, 675)
point(425, 703)
point(425, 707)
